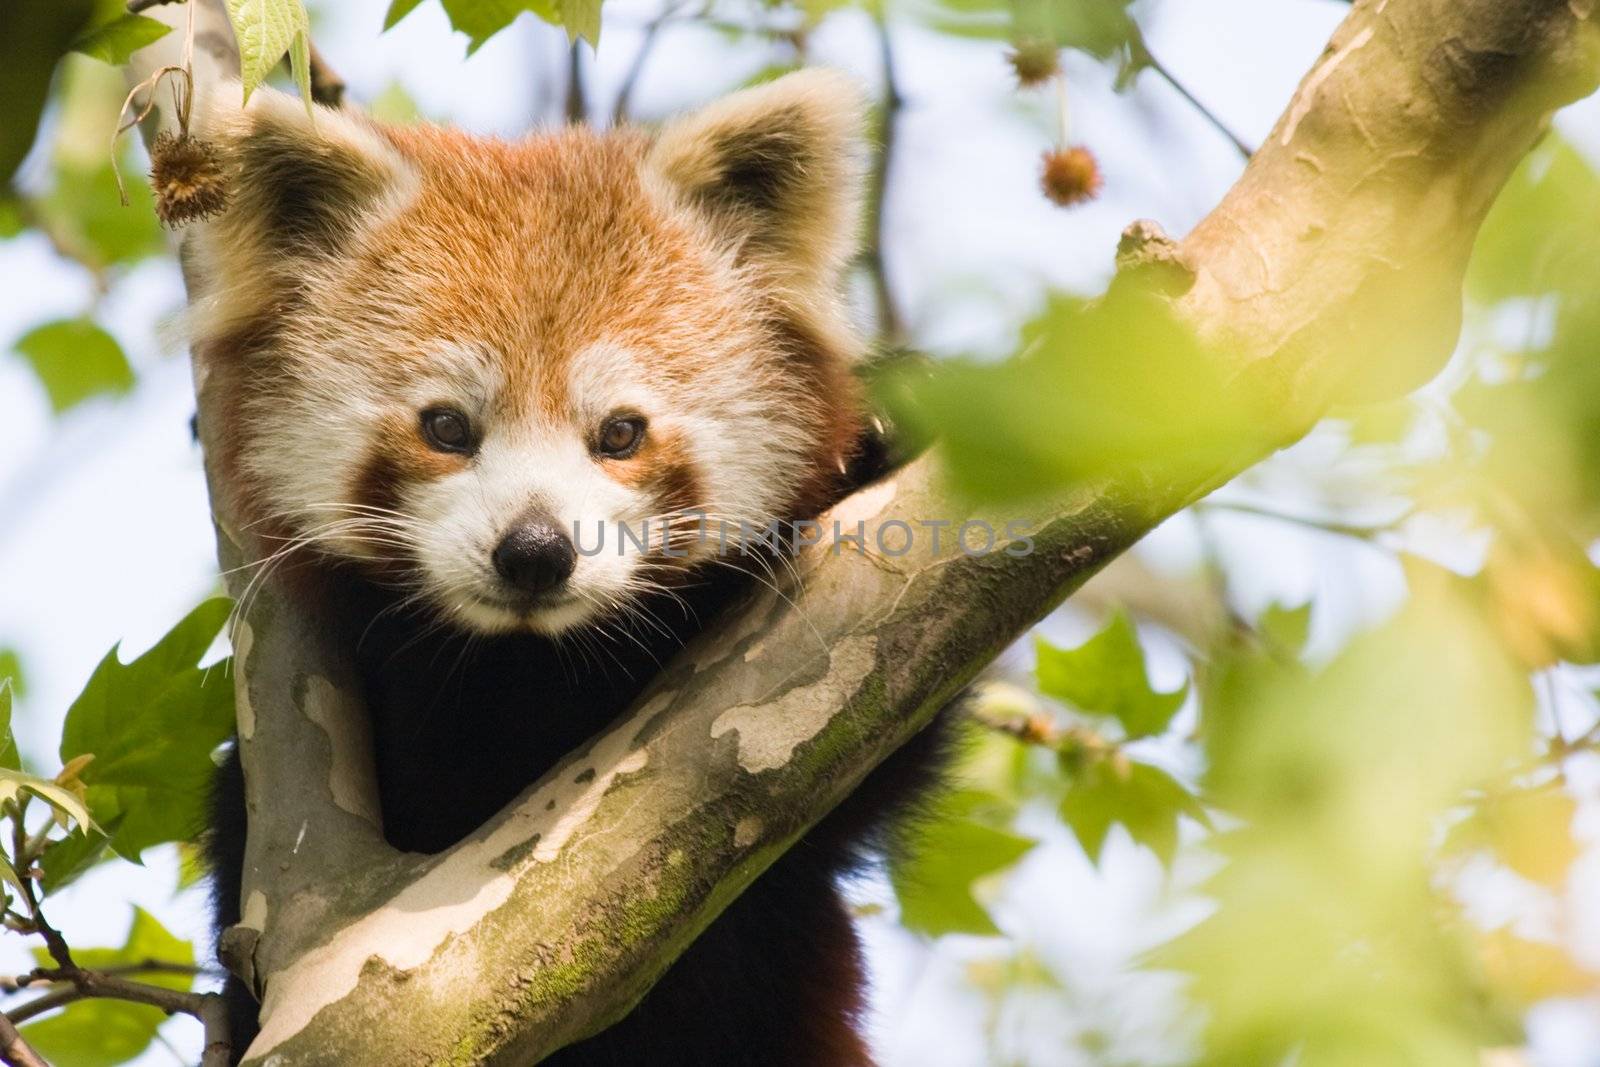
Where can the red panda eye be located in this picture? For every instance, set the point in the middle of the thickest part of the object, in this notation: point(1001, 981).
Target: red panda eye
point(621, 437)
point(447, 430)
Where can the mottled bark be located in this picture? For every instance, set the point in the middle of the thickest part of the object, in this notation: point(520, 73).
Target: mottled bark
point(1350, 227)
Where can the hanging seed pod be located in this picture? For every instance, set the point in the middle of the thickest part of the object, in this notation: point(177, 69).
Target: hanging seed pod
point(1035, 60)
point(188, 178)
point(1070, 176)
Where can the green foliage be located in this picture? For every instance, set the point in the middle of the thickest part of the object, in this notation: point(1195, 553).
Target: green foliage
point(1096, 388)
point(1144, 799)
point(482, 19)
point(75, 360)
point(104, 1033)
point(1106, 676)
point(266, 30)
point(113, 40)
point(151, 726)
point(10, 758)
point(934, 877)
point(38, 33)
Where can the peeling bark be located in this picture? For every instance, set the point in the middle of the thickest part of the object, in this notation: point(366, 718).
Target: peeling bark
point(1331, 271)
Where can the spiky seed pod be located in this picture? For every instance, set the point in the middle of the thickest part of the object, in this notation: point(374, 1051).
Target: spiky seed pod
point(1035, 60)
point(1070, 176)
point(188, 178)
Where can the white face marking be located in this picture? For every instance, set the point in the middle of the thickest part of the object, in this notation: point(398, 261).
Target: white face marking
point(725, 417)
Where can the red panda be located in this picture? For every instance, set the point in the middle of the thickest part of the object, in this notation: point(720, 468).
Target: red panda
point(450, 379)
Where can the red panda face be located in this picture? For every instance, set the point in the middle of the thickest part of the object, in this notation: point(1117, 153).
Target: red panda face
point(530, 382)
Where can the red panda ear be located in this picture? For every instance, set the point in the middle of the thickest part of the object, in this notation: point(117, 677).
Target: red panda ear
point(301, 183)
point(777, 168)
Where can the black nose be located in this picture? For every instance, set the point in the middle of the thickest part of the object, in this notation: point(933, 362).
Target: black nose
point(535, 556)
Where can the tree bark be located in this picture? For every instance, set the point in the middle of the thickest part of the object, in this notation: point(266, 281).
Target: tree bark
point(1332, 271)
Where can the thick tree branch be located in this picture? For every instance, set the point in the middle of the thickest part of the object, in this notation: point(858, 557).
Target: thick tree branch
point(1333, 269)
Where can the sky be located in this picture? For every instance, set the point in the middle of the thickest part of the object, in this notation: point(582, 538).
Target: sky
point(107, 536)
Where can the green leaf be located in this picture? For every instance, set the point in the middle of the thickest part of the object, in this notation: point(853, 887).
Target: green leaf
point(11, 671)
point(581, 18)
point(105, 1033)
point(398, 10)
point(266, 30)
point(482, 19)
point(115, 41)
point(933, 879)
point(37, 33)
point(152, 726)
point(10, 758)
point(75, 360)
point(1287, 628)
point(64, 860)
point(1106, 676)
point(1145, 799)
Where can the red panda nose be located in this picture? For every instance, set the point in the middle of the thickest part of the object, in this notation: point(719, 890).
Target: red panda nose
point(535, 556)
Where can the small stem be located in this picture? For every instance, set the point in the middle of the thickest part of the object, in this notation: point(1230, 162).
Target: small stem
point(1142, 55)
point(136, 6)
point(1369, 534)
point(890, 326)
point(219, 1043)
point(577, 99)
point(652, 32)
point(14, 1051)
point(326, 85)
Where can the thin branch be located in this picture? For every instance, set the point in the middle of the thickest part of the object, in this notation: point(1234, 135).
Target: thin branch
point(14, 1051)
point(647, 44)
point(890, 326)
point(1143, 57)
point(577, 98)
point(1360, 532)
point(150, 966)
point(136, 6)
point(326, 85)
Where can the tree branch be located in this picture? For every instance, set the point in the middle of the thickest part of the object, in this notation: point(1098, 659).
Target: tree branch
point(1332, 270)
point(14, 1051)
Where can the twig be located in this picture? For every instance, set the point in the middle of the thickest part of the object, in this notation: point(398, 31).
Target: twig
point(136, 6)
point(150, 966)
point(1343, 529)
point(1142, 56)
point(14, 1050)
point(22, 860)
point(652, 31)
point(577, 99)
point(219, 1042)
point(326, 85)
point(890, 327)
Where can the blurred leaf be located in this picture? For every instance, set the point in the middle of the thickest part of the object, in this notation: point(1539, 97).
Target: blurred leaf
point(482, 19)
point(1543, 233)
point(75, 360)
point(1097, 389)
point(1146, 800)
point(1526, 972)
point(152, 725)
point(105, 1033)
point(80, 208)
point(10, 758)
point(933, 878)
point(116, 40)
point(398, 10)
point(395, 106)
point(1530, 830)
point(267, 30)
point(38, 33)
point(1106, 676)
point(581, 18)
point(1329, 944)
point(1287, 628)
point(11, 670)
